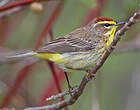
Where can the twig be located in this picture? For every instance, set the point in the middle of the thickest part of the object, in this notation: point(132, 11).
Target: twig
point(54, 97)
point(93, 71)
point(19, 3)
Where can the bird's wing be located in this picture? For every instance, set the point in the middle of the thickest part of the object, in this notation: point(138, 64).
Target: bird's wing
point(78, 40)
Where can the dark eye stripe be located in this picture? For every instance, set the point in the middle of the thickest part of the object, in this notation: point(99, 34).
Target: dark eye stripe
point(107, 24)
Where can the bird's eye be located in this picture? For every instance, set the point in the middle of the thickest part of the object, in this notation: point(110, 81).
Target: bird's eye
point(107, 25)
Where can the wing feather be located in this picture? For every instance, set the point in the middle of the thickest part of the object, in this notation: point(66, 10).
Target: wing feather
point(78, 40)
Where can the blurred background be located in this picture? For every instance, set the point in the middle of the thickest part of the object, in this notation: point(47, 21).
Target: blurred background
point(25, 24)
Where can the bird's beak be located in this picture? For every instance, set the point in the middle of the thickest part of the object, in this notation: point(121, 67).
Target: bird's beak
point(120, 23)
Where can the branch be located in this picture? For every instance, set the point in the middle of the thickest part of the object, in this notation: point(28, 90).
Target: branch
point(93, 71)
point(54, 97)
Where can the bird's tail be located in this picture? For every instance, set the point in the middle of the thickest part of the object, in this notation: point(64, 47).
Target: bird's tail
point(21, 55)
point(8, 55)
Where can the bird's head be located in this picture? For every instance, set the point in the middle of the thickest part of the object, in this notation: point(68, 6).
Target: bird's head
point(104, 27)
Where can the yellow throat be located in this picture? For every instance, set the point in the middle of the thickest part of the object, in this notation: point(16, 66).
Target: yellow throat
point(110, 33)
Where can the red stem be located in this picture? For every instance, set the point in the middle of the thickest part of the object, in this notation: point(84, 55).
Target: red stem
point(18, 3)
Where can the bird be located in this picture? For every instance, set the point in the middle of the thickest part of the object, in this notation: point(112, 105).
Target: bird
point(80, 49)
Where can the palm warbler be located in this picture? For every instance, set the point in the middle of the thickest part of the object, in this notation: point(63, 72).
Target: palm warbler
point(80, 49)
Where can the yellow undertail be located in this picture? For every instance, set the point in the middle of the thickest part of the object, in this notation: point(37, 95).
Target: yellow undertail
point(55, 57)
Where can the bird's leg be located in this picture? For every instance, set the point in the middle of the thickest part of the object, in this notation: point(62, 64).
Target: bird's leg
point(68, 82)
